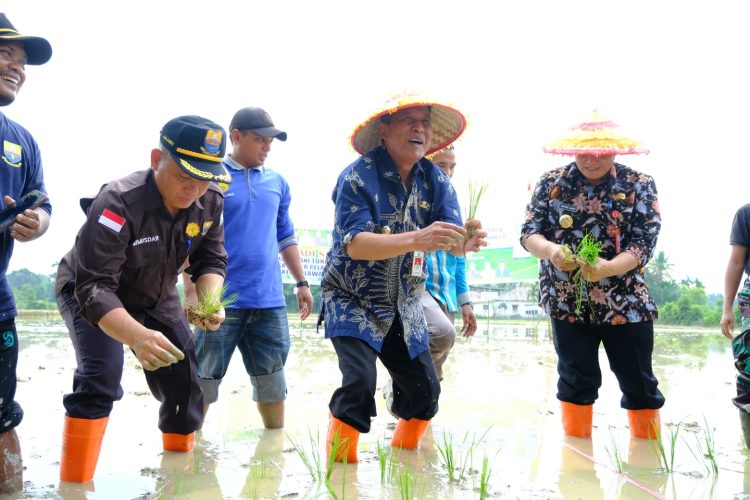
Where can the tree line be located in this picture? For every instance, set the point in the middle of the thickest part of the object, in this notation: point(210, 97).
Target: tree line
point(683, 302)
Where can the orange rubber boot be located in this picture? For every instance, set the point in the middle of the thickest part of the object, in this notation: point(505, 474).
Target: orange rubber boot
point(82, 441)
point(343, 437)
point(644, 424)
point(576, 419)
point(409, 433)
point(178, 442)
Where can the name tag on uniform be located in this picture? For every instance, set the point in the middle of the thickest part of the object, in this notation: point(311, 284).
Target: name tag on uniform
point(416, 263)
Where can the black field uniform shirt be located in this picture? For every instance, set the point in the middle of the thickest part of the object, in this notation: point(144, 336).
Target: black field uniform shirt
point(130, 250)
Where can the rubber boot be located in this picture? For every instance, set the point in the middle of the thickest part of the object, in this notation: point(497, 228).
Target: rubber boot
point(745, 422)
point(644, 424)
point(576, 419)
point(409, 433)
point(178, 442)
point(82, 441)
point(11, 463)
point(343, 437)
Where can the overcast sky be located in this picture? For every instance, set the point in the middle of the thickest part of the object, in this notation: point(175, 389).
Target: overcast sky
point(673, 74)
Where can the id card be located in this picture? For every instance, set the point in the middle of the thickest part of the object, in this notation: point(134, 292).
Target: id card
point(416, 263)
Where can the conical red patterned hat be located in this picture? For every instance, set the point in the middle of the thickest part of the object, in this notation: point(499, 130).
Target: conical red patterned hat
point(597, 136)
point(447, 123)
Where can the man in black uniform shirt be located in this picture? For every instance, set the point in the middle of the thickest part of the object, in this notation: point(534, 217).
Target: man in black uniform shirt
point(117, 286)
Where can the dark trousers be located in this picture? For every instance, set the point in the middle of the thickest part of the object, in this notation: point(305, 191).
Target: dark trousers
point(11, 413)
point(416, 387)
point(96, 382)
point(629, 348)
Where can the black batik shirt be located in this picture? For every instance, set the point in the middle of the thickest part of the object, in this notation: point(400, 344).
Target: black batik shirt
point(623, 206)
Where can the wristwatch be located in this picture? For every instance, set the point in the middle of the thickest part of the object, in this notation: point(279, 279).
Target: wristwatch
point(302, 283)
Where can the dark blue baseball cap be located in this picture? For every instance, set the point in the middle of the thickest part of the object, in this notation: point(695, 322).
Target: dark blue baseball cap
point(198, 146)
point(38, 50)
point(257, 121)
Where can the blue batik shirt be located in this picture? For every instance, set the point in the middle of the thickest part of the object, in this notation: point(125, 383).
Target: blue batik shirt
point(20, 172)
point(362, 298)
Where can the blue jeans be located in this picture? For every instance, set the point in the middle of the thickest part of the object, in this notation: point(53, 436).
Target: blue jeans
point(262, 336)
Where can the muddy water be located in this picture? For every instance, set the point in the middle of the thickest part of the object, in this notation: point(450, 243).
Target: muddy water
point(498, 402)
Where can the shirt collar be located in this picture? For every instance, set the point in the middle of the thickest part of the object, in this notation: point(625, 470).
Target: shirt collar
point(384, 158)
point(608, 178)
point(235, 165)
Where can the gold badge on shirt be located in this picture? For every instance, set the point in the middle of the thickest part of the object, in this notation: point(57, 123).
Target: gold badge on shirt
point(566, 221)
point(192, 229)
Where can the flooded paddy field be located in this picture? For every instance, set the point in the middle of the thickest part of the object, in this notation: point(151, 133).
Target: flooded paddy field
point(498, 433)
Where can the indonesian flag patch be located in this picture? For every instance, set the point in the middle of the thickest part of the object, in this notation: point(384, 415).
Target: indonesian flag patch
point(112, 220)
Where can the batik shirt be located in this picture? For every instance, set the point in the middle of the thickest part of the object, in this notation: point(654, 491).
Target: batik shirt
point(622, 213)
point(362, 298)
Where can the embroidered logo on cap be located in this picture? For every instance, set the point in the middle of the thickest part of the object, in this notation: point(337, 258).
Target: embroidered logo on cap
point(12, 154)
point(112, 220)
point(212, 142)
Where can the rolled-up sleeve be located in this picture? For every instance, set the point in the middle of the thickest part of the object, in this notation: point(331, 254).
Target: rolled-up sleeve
point(646, 221)
point(101, 254)
point(354, 209)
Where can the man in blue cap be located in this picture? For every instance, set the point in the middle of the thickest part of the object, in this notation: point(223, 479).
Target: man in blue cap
point(117, 286)
point(22, 173)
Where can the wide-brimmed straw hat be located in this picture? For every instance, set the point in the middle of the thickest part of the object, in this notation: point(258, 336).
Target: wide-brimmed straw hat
point(447, 122)
point(38, 50)
point(596, 136)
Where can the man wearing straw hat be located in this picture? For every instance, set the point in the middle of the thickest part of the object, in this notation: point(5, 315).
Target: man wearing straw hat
point(22, 173)
point(117, 287)
point(606, 302)
point(392, 207)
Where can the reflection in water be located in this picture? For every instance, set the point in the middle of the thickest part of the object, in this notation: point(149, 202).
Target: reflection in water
point(499, 386)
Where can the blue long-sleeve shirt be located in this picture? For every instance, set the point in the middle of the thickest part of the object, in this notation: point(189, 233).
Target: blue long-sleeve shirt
point(257, 227)
point(446, 279)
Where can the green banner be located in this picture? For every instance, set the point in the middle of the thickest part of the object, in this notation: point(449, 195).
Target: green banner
point(490, 266)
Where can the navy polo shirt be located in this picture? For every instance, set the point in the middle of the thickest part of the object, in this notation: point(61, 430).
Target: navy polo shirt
point(20, 172)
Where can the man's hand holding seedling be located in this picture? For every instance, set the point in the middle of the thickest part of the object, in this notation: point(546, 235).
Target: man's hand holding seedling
point(205, 302)
point(475, 236)
point(561, 257)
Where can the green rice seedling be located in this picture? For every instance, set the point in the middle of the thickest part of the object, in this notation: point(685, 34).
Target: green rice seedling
point(615, 455)
point(476, 191)
point(484, 479)
point(407, 484)
point(383, 454)
point(665, 455)
point(211, 302)
point(258, 472)
point(710, 452)
point(332, 490)
point(393, 464)
point(453, 459)
point(587, 251)
point(337, 445)
point(447, 454)
point(705, 445)
point(310, 460)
